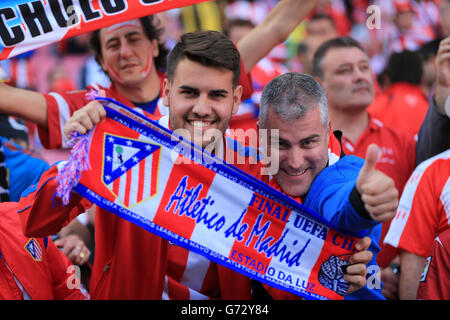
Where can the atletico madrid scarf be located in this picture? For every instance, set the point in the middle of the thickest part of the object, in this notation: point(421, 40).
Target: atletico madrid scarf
point(144, 173)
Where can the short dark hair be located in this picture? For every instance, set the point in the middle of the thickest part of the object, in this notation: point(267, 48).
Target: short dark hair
point(209, 48)
point(405, 66)
point(151, 28)
point(340, 42)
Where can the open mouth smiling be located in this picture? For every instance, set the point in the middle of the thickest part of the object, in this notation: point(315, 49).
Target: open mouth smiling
point(295, 174)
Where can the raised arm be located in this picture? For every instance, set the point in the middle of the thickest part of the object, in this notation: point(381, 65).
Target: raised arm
point(275, 29)
point(25, 104)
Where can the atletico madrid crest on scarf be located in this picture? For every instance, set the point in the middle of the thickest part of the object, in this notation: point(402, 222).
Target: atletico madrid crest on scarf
point(137, 170)
point(130, 168)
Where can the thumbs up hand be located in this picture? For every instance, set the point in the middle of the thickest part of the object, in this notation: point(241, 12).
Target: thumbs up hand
point(377, 190)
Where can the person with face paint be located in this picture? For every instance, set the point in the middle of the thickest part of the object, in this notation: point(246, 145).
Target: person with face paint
point(134, 59)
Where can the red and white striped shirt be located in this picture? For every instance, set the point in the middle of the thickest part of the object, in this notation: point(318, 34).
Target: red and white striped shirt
point(424, 208)
point(61, 106)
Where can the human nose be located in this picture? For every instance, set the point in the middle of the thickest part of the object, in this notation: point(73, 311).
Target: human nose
point(361, 74)
point(125, 49)
point(202, 106)
point(295, 158)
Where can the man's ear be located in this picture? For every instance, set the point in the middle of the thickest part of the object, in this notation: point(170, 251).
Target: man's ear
point(166, 92)
point(237, 94)
point(155, 48)
point(102, 64)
